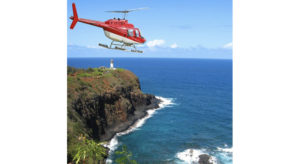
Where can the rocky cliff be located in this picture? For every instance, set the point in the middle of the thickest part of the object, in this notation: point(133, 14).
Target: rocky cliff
point(102, 102)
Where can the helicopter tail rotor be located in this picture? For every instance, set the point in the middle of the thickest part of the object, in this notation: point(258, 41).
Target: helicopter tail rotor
point(74, 17)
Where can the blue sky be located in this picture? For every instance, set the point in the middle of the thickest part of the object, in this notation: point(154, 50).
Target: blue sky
point(172, 28)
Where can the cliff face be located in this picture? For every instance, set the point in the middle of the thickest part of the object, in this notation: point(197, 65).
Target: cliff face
point(102, 102)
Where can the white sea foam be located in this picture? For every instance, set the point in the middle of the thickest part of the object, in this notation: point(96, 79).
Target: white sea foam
point(191, 156)
point(113, 143)
point(225, 154)
point(226, 150)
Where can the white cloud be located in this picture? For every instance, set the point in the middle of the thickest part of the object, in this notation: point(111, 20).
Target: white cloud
point(155, 43)
point(228, 45)
point(174, 45)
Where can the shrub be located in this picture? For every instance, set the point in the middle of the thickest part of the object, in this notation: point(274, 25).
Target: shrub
point(88, 150)
point(71, 70)
point(90, 70)
point(125, 156)
point(84, 74)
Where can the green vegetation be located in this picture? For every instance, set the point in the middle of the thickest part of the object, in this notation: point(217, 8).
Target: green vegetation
point(93, 72)
point(99, 79)
point(88, 151)
point(125, 156)
point(90, 70)
point(120, 69)
point(71, 70)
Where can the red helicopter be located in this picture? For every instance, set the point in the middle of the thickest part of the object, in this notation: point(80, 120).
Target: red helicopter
point(118, 30)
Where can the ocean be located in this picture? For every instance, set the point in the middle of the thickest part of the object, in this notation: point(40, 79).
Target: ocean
point(194, 118)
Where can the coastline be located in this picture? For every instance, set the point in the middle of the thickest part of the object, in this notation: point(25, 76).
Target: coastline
point(140, 113)
point(112, 144)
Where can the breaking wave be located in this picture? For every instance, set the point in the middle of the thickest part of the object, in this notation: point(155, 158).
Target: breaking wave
point(191, 156)
point(222, 155)
point(226, 150)
point(113, 143)
point(225, 154)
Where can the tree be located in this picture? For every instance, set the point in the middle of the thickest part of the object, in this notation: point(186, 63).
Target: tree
point(125, 156)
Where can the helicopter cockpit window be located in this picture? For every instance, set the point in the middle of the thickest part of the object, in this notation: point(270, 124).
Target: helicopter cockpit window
point(130, 32)
point(137, 34)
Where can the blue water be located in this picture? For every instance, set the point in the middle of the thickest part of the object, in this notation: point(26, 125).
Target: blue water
point(201, 117)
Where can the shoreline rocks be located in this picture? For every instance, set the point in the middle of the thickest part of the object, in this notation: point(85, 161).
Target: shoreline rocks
point(205, 159)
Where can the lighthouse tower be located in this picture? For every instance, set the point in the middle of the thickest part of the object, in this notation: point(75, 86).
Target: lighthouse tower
point(112, 64)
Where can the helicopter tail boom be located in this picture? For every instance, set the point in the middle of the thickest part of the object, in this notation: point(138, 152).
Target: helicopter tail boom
point(86, 21)
point(75, 16)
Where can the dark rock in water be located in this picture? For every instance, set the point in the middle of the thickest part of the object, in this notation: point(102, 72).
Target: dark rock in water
point(204, 159)
point(103, 102)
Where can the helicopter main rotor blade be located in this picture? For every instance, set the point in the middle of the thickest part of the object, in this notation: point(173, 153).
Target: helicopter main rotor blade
point(127, 11)
point(143, 8)
point(123, 11)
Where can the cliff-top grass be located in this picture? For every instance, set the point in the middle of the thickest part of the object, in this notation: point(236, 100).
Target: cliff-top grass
point(98, 80)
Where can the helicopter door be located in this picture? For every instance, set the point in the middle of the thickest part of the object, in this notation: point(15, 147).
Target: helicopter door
point(137, 34)
point(130, 32)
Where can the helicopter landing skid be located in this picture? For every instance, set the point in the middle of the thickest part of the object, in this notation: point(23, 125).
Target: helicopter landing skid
point(116, 47)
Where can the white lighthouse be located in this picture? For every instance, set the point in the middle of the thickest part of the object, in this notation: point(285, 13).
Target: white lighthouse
point(112, 64)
